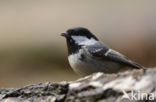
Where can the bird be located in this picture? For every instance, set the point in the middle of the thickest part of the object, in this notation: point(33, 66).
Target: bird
point(87, 54)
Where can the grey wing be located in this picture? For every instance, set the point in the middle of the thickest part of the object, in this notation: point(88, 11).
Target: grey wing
point(102, 52)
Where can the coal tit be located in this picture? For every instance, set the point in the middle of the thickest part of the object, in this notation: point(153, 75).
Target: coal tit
point(86, 54)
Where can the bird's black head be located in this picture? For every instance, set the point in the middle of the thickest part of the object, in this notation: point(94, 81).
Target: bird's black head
point(79, 31)
point(77, 37)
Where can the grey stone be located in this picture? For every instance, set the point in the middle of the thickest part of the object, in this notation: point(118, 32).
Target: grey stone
point(98, 87)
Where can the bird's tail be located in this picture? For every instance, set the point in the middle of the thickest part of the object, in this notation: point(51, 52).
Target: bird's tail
point(138, 66)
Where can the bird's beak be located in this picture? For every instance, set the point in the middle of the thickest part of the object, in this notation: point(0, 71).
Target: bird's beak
point(64, 35)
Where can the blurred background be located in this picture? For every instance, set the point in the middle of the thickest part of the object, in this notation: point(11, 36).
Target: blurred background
point(32, 50)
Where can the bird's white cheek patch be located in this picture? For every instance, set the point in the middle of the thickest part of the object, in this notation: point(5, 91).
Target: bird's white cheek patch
point(79, 39)
point(82, 40)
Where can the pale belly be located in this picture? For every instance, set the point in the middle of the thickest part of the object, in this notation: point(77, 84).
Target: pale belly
point(88, 65)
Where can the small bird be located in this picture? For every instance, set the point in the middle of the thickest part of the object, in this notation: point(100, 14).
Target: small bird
point(86, 54)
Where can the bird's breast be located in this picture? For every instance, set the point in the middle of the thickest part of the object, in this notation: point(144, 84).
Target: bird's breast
point(78, 62)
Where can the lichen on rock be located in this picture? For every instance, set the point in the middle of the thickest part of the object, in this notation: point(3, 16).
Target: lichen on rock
point(98, 87)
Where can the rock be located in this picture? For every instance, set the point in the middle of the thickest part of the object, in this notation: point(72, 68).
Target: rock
point(130, 86)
